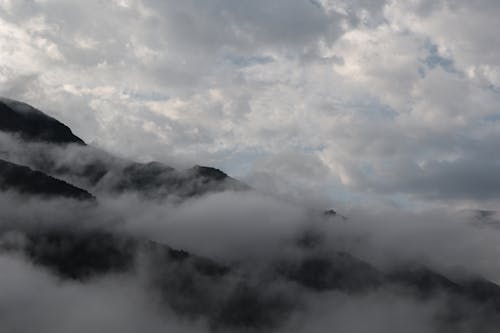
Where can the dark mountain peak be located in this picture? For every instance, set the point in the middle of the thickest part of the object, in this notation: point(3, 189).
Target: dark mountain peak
point(157, 180)
point(28, 181)
point(208, 172)
point(150, 168)
point(150, 179)
point(330, 212)
point(34, 125)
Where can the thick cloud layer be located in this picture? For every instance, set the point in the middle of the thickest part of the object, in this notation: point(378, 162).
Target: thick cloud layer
point(253, 231)
point(393, 97)
point(235, 261)
point(31, 298)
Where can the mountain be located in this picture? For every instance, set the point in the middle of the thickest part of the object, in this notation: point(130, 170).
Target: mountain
point(22, 179)
point(32, 124)
point(156, 180)
point(94, 170)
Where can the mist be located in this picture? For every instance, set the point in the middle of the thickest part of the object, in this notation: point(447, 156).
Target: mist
point(251, 231)
point(249, 166)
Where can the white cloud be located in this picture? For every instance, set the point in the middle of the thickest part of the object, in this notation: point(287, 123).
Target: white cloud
point(380, 91)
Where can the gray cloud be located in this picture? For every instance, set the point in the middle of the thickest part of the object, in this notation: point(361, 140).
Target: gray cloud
point(33, 298)
point(252, 229)
point(243, 262)
point(364, 85)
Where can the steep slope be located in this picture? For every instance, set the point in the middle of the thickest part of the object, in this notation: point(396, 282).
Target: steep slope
point(27, 181)
point(32, 124)
point(156, 180)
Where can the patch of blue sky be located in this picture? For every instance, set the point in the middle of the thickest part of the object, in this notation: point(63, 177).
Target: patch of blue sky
point(492, 117)
point(238, 163)
point(368, 170)
point(371, 108)
point(348, 197)
point(494, 88)
point(146, 95)
point(247, 61)
point(434, 59)
point(314, 149)
point(421, 71)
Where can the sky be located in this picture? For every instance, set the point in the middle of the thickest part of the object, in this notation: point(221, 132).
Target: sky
point(394, 100)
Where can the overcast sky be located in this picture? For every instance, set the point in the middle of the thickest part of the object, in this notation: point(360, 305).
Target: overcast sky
point(361, 98)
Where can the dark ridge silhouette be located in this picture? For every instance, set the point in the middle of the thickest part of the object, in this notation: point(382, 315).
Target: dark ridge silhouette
point(27, 181)
point(151, 180)
point(424, 282)
point(82, 254)
point(208, 173)
point(338, 271)
point(32, 124)
point(92, 172)
point(157, 180)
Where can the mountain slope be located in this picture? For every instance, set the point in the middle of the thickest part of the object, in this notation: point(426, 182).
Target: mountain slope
point(32, 124)
point(156, 180)
point(27, 181)
point(94, 170)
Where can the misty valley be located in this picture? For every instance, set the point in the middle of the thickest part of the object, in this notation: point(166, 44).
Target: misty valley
point(103, 243)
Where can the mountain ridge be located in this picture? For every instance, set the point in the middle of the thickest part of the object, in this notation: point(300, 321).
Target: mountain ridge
point(25, 180)
point(33, 124)
point(103, 171)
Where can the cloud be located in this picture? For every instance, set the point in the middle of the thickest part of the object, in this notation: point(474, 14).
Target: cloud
point(234, 260)
point(255, 231)
point(309, 101)
point(33, 298)
point(380, 312)
point(370, 87)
